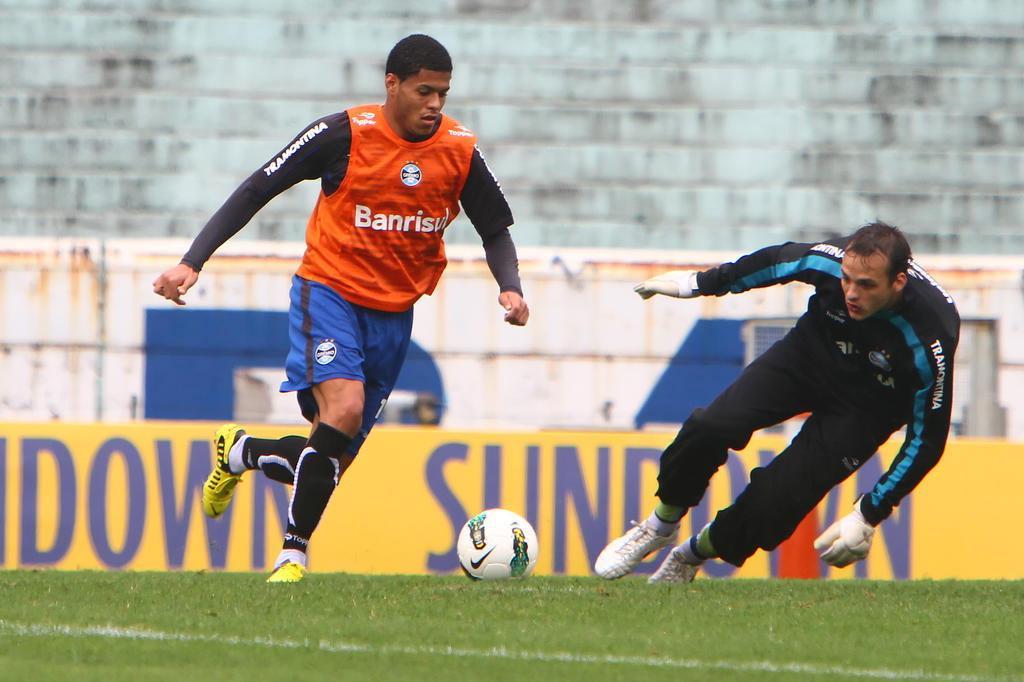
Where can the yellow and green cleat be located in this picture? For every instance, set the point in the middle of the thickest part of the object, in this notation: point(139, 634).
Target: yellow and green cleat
point(220, 484)
point(289, 572)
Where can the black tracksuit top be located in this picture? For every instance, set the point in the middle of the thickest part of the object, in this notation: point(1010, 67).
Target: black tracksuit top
point(897, 364)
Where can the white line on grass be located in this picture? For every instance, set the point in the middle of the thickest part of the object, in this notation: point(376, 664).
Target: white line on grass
point(112, 632)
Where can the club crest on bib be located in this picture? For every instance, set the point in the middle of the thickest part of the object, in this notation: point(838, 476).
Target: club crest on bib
point(326, 351)
point(411, 174)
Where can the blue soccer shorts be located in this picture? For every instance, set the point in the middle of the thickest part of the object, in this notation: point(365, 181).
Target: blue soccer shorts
point(332, 338)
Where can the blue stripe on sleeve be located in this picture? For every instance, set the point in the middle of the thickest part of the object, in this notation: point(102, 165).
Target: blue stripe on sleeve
point(781, 271)
point(916, 426)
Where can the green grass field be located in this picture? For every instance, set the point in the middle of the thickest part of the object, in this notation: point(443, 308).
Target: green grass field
point(196, 626)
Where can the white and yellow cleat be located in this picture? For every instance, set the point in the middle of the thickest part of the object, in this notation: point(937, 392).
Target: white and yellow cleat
point(625, 553)
point(220, 484)
point(289, 572)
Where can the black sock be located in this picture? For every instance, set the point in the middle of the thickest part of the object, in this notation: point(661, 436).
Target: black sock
point(316, 476)
point(276, 458)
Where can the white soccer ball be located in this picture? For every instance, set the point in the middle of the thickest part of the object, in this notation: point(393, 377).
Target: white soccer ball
point(497, 544)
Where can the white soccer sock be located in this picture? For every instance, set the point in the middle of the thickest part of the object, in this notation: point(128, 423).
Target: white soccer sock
point(292, 556)
point(688, 552)
point(235, 461)
point(660, 527)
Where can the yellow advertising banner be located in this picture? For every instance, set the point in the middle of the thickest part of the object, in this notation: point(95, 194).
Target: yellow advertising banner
point(128, 497)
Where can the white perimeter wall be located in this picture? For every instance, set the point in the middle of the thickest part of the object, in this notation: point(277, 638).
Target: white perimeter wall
point(72, 324)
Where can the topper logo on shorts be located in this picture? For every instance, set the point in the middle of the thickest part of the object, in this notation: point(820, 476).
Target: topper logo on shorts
point(411, 174)
point(326, 351)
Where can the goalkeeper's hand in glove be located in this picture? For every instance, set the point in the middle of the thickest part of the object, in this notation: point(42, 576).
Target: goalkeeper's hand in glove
point(675, 283)
point(845, 541)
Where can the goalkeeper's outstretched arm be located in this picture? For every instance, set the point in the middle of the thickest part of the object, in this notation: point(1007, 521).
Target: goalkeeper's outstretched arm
point(813, 264)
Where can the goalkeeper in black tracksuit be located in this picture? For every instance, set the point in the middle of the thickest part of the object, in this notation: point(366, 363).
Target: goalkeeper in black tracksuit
point(873, 352)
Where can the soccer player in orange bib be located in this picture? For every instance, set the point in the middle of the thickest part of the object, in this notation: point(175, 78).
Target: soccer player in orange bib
point(393, 177)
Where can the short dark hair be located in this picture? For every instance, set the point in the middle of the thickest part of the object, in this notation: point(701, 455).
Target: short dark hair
point(415, 52)
point(883, 238)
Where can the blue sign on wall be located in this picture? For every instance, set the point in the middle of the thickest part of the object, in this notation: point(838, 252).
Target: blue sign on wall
point(710, 358)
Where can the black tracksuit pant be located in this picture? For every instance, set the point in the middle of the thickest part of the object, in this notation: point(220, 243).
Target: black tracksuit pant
point(785, 381)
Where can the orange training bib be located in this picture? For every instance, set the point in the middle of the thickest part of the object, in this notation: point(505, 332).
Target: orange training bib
point(378, 240)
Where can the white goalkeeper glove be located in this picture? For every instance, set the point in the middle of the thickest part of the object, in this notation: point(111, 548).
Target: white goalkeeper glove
point(845, 541)
point(674, 283)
